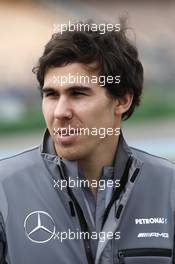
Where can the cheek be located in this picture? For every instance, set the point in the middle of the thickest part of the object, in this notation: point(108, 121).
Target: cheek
point(100, 110)
point(90, 108)
point(91, 115)
point(48, 111)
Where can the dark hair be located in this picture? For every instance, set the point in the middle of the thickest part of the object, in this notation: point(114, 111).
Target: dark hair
point(112, 52)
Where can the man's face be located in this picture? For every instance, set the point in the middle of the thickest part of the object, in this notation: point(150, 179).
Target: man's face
point(77, 105)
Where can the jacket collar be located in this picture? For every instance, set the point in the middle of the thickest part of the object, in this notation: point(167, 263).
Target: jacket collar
point(121, 156)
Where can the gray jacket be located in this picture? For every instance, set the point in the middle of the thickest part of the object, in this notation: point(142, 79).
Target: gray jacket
point(43, 224)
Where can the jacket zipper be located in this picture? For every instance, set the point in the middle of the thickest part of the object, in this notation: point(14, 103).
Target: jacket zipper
point(82, 220)
point(143, 252)
point(117, 192)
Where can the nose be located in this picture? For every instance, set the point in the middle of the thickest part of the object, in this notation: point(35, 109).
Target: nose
point(63, 109)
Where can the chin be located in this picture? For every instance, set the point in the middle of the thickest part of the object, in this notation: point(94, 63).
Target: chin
point(68, 155)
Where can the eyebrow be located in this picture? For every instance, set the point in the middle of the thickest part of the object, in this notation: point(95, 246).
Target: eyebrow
point(69, 89)
point(48, 89)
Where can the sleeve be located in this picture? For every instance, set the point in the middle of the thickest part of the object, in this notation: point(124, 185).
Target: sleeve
point(3, 216)
point(3, 243)
point(173, 208)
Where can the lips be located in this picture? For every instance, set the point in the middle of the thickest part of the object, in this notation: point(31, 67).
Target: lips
point(67, 136)
point(67, 132)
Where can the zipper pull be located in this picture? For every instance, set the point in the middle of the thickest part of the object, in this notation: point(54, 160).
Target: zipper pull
point(121, 257)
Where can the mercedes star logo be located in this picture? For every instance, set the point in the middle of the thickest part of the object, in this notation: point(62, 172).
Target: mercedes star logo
point(39, 227)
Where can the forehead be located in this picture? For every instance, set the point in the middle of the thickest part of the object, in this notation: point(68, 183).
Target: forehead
point(74, 73)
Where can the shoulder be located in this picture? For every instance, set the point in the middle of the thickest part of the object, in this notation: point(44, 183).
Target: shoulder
point(13, 164)
point(154, 162)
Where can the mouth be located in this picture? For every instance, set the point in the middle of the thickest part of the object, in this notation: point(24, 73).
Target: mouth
point(65, 132)
point(66, 136)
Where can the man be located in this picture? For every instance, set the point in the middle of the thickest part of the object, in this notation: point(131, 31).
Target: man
point(84, 196)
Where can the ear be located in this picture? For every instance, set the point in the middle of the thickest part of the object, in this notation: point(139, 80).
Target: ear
point(123, 104)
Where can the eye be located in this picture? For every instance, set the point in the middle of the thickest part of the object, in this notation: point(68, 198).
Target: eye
point(77, 93)
point(50, 94)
